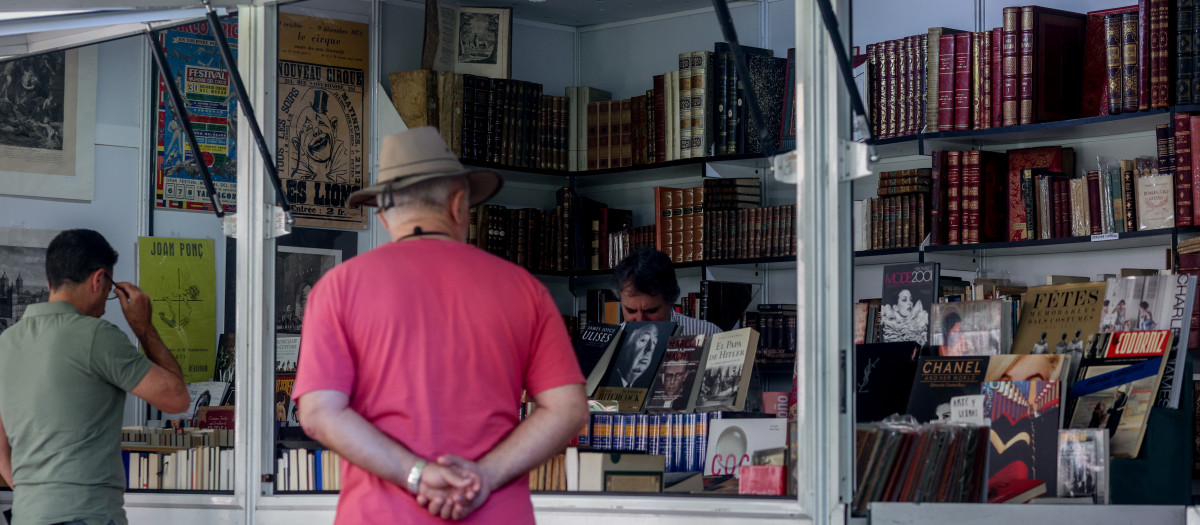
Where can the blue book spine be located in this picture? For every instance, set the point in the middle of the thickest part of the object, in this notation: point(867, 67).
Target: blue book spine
point(318, 475)
point(666, 429)
point(642, 433)
point(652, 432)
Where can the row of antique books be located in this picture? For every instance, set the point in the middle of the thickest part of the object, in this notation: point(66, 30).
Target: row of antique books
point(777, 325)
point(504, 121)
point(1035, 193)
point(198, 468)
point(1041, 65)
point(300, 469)
point(685, 218)
point(899, 217)
point(695, 111)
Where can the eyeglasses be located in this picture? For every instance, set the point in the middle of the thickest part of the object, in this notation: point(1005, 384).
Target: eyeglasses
point(112, 294)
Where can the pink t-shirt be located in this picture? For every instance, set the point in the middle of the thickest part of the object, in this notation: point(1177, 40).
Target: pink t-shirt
point(433, 340)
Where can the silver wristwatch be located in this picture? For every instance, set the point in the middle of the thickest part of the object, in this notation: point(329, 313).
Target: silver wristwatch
point(414, 476)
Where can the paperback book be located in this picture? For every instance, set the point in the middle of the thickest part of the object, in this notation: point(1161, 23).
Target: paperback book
point(1158, 302)
point(940, 379)
point(593, 350)
point(675, 388)
point(726, 376)
point(1083, 464)
point(635, 363)
point(1051, 315)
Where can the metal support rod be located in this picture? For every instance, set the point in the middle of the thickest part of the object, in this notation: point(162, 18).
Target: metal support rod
point(239, 89)
point(184, 122)
point(743, 72)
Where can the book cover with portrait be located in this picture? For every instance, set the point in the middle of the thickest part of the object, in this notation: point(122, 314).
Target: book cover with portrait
point(909, 291)
point(635, 363)
point(971, 327)
point(675, 387)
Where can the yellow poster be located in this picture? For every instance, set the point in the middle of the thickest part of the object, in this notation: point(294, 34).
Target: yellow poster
point(180, 276)
point(322, 118)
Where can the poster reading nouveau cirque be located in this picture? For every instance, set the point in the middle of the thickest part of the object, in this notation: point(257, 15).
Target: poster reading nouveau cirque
point(211, 103)
point(180, 276)
point(322, 115)
point(48, 124)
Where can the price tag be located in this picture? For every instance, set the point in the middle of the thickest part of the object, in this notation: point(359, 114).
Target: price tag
point(1106, 237)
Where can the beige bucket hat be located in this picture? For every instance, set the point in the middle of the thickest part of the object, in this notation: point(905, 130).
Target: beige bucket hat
point(418, 155)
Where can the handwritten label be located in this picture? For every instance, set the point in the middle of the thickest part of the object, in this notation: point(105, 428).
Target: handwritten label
point(967, 409)
point(1106, 237)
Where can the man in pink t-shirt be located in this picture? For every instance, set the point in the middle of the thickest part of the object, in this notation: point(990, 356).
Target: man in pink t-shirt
point(414, 355)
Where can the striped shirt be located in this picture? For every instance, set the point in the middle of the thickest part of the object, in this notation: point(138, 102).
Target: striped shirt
point(693, 326)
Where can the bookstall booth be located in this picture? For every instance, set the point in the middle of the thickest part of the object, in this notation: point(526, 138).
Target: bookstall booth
point(133, 180)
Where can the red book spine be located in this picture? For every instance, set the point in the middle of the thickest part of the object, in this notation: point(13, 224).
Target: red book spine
point(1144, 54)
point(970, 197)
point(953, 197)
point(1062, 194)
point(1011, 66)
point(1094, 214)
point(1183, 170)
point(890, 76)
point(1194, 122)
point(962, 81)
point(1027, 80)
point(903, 84)
point(873, 88)
point(946, 81)
point(997, 71)
point(937, 208)
point(1161, 73)
point(914, 61)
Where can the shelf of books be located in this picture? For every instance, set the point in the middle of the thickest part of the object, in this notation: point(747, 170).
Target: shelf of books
point(1091, 164)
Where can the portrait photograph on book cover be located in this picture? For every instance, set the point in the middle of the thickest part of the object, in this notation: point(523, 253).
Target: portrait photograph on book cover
point(22, 271)
point(967, 328)
point(908, 293)
point(297, 270)
point(639, 355)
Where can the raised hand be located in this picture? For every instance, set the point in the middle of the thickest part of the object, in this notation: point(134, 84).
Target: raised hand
point(135, 305)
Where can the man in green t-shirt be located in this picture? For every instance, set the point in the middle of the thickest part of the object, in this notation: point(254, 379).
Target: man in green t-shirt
point(64, 373)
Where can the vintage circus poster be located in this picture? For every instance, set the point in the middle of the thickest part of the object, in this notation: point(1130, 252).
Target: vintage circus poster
point(322, 111)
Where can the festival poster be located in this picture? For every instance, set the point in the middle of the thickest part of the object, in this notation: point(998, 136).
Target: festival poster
point(211, 103)
point(180, 276)
point(321, 132)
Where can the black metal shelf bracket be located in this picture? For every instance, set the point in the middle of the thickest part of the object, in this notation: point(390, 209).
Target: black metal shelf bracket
point(185, 123)
point(247, 109)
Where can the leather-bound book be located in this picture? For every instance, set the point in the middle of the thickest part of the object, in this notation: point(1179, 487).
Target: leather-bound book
point(1183, 169)
point(1114, 71)
point(1144, 63)
point(660, 132)
point(638, 129)
point(626, 133)
point(1185, 50)
point(702, 81)
point(593, 135)
point(905, 55)
point(1051, 64)
point(1093, 97)
point(890, 89)
point(937, 208)
point(415, 95)
point(984, 108)
point(946, 81)
point(1052, 158)
point(1194, 146)
point(978, 61)
point(997, 72)
point(685, 105)
point(767, 76)
point(1160, 48)
point(467, 126)
point(954, 197)
point(1010, 50)
point(962, 81)
point(933, 64)
point(1095, 211)
point(1129, 189)
point(1129, 43)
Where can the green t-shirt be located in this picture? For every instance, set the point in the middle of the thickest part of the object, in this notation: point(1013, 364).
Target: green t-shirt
point(63, 378)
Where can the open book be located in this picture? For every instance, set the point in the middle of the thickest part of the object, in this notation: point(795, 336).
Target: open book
point(468, 40)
